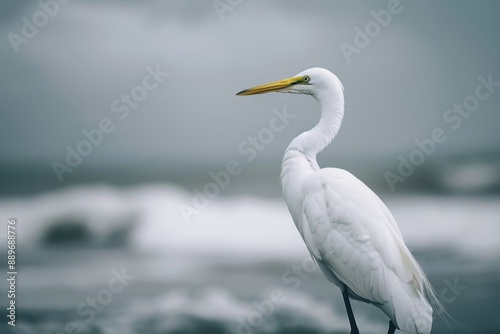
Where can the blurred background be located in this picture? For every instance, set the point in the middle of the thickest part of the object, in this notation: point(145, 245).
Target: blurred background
point(120, 126)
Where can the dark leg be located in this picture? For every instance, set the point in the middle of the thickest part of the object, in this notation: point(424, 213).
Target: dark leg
point(392, 328)
point(352, 322)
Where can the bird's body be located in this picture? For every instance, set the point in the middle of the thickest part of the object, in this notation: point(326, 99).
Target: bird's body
point(346, 227)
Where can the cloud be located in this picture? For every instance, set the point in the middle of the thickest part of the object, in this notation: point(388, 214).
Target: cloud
point(64, 80)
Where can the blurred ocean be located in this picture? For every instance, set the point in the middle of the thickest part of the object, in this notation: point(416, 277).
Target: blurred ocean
point(102, 259)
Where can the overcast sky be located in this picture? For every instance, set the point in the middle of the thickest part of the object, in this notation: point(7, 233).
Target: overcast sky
point(65, 78)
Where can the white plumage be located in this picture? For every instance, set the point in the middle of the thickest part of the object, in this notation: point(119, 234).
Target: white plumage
point(347, 228)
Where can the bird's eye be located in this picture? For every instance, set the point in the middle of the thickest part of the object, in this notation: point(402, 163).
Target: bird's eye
point(306, 78)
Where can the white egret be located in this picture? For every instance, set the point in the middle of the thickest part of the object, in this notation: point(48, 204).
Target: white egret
point(348, 230)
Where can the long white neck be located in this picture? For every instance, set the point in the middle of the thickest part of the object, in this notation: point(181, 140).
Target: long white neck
point(300, 156)
point(315, 140)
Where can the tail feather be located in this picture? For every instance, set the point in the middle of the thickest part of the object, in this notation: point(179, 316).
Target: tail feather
point(415, 302)
point(409, 310)
point(426, 290)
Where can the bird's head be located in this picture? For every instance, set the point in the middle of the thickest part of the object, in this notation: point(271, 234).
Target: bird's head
point(314, 81)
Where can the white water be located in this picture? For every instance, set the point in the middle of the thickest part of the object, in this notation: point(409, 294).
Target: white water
point(258, 228)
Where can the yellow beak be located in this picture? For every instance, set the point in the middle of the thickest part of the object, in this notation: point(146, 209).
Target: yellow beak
point(271, 87)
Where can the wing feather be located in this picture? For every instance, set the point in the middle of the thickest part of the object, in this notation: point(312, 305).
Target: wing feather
point(347, 228)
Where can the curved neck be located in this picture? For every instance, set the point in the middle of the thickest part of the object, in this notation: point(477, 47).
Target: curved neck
point(311, 142)
point(300, 156)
